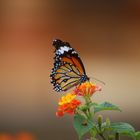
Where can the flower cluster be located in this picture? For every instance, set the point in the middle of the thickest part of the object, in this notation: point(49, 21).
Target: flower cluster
point(67, 104)
point(86, 88)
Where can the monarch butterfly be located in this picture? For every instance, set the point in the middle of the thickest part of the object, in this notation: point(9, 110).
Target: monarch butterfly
point(68, 70)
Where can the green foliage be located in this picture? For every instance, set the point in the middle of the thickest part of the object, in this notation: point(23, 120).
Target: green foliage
point(84, 122)
point(137, 135)
point(105, 106)
point(82, 125)
point(105, 130)
point(123, 128)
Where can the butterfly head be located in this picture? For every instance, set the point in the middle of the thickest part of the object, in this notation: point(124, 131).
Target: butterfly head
point(57, 43)
point(84, 78)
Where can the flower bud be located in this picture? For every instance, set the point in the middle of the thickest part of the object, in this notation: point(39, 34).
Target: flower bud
point(100, 120)
point(107, 122)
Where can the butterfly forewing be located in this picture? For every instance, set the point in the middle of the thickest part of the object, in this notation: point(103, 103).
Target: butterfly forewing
point(64, 52)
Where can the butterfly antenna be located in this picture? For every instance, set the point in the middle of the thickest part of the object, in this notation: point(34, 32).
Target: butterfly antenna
point(98, 80)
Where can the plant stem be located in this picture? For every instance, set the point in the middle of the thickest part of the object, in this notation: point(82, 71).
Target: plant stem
point(100, 133)
point(117, 137)
point(90, 115)
point(102, 136)
point(88, 101)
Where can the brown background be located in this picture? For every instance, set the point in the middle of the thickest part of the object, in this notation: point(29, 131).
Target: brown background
point(105, 33)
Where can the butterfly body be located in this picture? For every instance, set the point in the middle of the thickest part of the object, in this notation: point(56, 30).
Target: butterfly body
point(68, 68)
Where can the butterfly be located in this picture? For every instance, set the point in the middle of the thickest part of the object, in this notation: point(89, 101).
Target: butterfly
point(68, 70)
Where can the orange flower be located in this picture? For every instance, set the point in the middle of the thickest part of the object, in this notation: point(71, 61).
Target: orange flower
point(5, 136)
point(67, 104)
point(24, 136)
point(86, 88)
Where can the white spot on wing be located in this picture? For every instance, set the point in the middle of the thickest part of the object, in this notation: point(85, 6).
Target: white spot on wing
point(63, 49)
point(74, 52)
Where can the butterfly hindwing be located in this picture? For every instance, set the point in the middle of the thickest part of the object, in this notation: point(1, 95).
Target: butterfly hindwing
point(64, 77)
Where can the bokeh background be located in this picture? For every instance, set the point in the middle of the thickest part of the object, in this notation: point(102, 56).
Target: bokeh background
point(105, 33)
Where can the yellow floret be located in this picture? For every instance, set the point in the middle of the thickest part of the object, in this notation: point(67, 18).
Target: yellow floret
point(66, 99)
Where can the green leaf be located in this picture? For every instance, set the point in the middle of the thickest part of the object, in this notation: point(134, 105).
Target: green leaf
point(105, 106)
point(123, 129)
point(82, 125)
point(137, 135)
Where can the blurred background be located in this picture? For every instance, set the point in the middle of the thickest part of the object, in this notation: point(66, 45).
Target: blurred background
point(105, 33)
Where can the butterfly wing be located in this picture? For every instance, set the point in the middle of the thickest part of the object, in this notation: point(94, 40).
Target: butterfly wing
point(65, 53)
point(65, 76)
point(68, 68)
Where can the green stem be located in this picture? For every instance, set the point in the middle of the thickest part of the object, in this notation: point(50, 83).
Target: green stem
point(90, 116)
point(102, 136)
point(100, 133)
point(88, 112)
point(87, 99)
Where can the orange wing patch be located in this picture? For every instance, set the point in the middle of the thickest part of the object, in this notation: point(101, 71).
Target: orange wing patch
point(75, 62)
point(78, 65)
point(66, 59)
